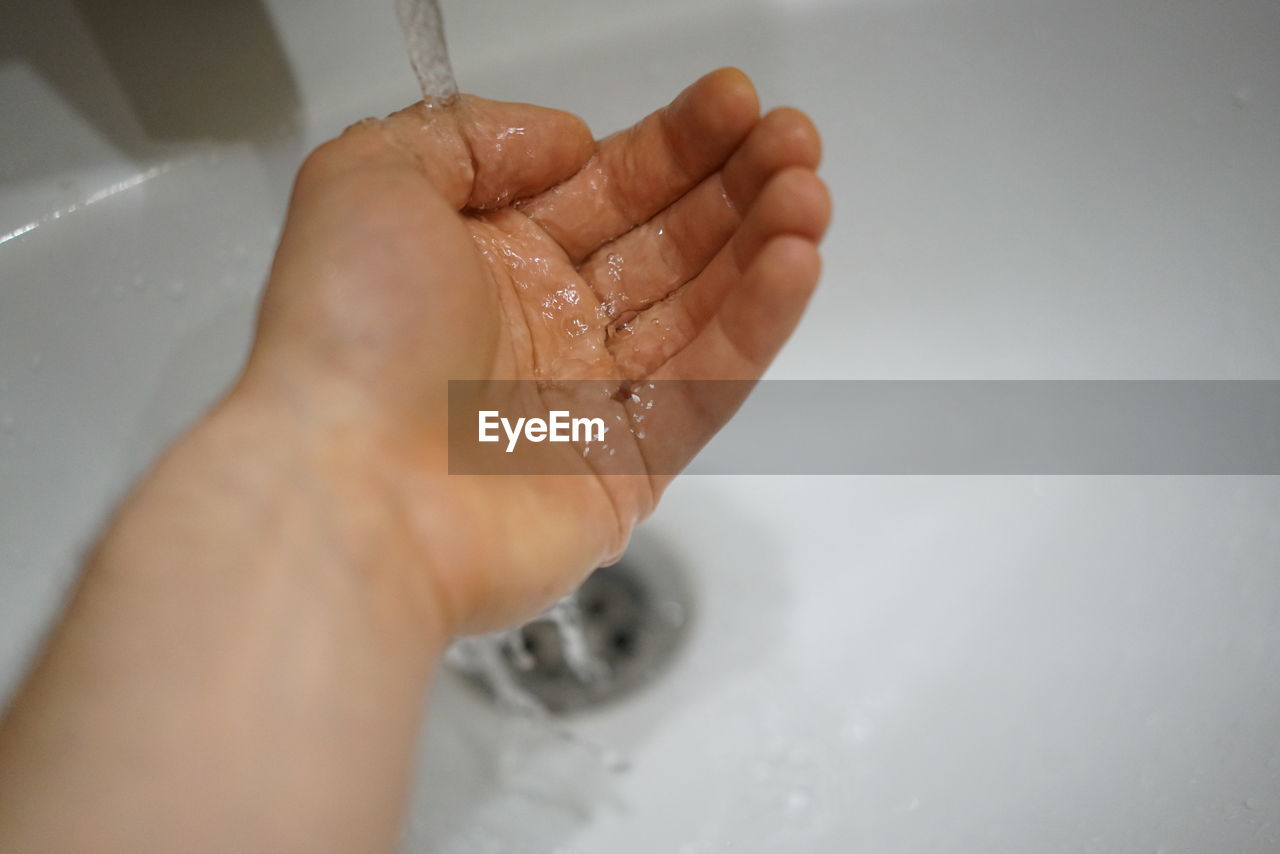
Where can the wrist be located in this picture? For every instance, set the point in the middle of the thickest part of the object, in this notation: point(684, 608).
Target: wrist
point(276, 491)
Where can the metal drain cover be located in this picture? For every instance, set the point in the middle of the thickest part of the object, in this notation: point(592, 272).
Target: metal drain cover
point(630, 619)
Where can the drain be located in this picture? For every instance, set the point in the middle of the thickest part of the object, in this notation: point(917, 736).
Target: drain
point(624, 624)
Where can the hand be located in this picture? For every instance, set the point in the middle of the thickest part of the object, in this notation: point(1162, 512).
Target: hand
point(499, 241)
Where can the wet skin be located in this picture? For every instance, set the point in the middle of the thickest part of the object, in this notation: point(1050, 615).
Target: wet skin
point(492, 240)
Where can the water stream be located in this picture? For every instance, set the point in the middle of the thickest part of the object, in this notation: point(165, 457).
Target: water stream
point(423, 29)
point(496, 658)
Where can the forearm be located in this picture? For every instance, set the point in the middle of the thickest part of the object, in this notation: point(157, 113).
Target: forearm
point(240, 652)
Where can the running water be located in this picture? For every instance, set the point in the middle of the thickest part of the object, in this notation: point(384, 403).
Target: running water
point(495, 658)
point(424, 36)
point(566, 616)
point(491, 657)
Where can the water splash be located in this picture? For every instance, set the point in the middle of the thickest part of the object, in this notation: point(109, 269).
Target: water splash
point(423, 28)
point(491, 658)
point(484, 656)
point(566, 616)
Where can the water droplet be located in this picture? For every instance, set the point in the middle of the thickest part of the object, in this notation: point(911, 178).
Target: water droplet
point(1252, 803)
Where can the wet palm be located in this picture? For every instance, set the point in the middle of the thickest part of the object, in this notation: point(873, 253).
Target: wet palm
point(507, 244)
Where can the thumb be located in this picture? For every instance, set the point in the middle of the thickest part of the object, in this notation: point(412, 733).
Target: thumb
point(493, 152)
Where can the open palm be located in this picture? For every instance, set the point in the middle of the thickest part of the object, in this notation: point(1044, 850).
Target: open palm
point(492, 241)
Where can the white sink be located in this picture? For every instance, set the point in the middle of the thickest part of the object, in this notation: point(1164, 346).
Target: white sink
point(1082, 189)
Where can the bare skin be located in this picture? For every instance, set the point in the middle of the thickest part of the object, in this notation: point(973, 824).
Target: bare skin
point(243, 665)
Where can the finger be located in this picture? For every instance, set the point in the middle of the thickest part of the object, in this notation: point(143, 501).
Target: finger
point(754, 321)
point(680, 410)
point(648, 262)
point(794, 202)
point(639, 171)
point(478, 153)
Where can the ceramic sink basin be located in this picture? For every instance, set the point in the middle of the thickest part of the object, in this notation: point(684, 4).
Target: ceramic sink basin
point(1024, 189)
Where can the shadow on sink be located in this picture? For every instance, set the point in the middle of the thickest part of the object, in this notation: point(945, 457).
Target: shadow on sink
point(150, 75)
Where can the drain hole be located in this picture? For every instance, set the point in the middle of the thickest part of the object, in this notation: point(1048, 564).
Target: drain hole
point(624, 643)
